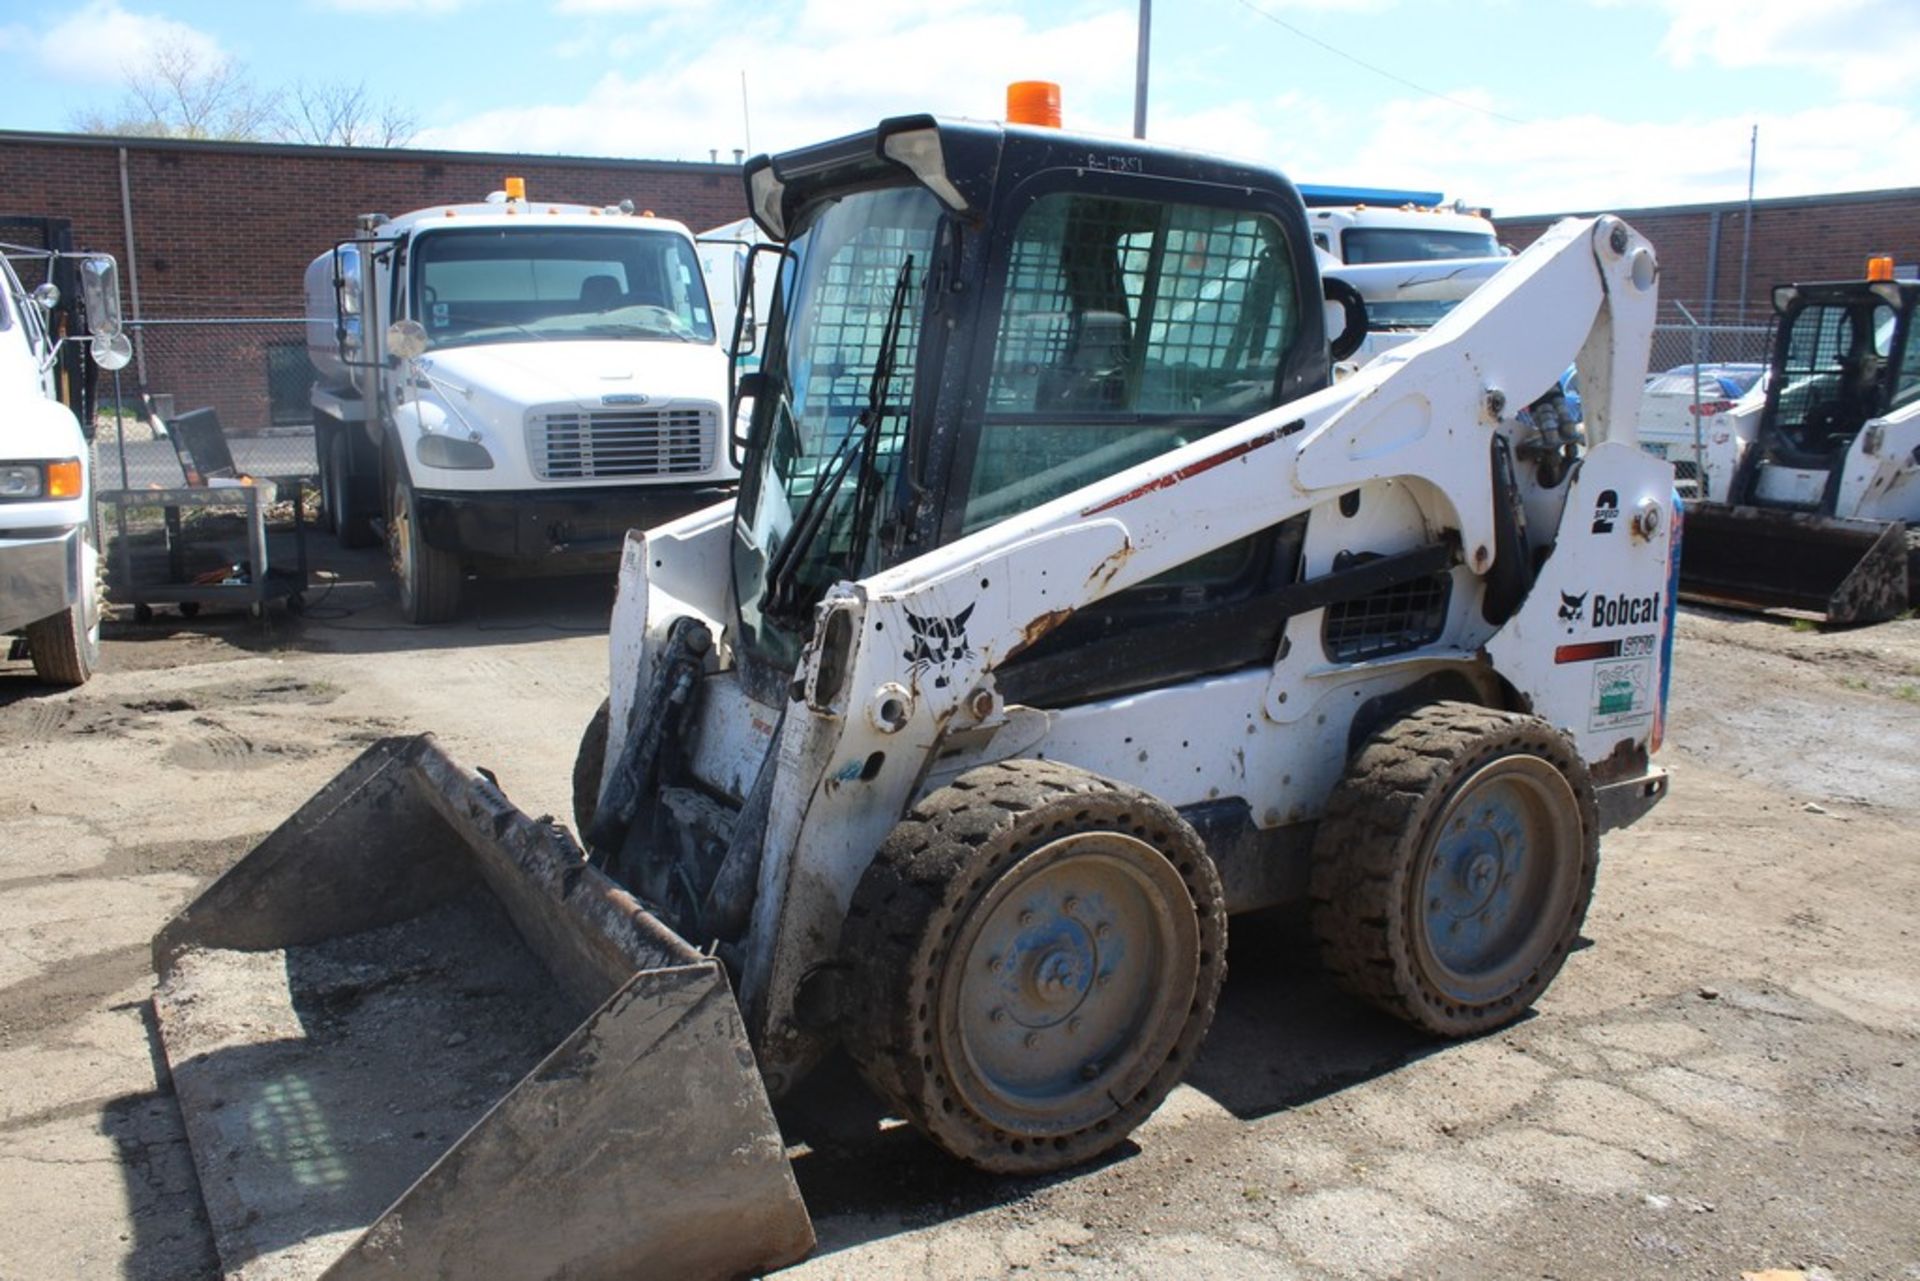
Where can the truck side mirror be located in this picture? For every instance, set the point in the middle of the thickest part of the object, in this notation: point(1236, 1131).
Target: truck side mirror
point(110, 351)
point(747, 387)
point(100, 295)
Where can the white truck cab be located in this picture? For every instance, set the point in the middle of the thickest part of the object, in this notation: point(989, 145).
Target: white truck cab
point(49, 598)
point(511, 385)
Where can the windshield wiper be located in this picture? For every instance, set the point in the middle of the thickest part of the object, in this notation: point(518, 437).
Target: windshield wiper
point(862, 442)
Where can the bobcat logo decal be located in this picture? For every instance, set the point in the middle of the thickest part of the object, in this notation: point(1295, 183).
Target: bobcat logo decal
point(1571, 606)
point(938, 643)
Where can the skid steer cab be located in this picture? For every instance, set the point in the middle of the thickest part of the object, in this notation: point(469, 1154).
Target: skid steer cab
point(1067, 609)
point(1823, 508)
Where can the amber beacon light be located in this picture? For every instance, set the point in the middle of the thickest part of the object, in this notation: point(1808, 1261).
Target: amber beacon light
point(1033, 102)
point(1879, 269)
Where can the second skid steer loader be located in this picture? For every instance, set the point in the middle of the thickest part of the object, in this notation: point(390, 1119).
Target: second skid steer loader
point(1067, 608)
point(1822, 513)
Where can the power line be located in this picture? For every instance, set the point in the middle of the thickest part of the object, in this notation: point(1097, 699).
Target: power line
point(1379, 71)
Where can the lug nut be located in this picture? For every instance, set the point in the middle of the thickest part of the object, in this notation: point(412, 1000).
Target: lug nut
point(1033, 1039)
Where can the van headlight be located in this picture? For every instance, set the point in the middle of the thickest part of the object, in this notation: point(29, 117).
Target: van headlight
point(453, 453)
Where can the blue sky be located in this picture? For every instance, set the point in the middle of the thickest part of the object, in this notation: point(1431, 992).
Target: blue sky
point(1525, 107)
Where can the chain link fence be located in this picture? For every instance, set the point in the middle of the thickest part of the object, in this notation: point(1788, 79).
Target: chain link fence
point(252, 371)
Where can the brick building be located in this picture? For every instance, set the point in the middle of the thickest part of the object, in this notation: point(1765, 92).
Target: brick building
point(1801, 238)
point(222, 232)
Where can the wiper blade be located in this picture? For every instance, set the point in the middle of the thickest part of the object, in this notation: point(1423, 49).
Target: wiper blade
point(861, 442)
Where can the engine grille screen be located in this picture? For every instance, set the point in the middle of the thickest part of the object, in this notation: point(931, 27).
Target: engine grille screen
point(1393, 620)
point(591, 444)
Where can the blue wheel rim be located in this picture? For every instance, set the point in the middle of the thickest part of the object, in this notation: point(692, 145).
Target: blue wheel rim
point(1497, 877)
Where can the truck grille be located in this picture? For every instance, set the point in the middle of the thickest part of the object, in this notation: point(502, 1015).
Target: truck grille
point(596, 443)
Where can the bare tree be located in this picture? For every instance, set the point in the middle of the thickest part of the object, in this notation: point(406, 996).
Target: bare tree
point(337, 113)
point(181, 91)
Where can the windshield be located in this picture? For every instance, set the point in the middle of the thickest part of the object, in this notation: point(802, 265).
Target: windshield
point(840, 277)
point(1833, 373)
point(1414, 244)
point(503, 284)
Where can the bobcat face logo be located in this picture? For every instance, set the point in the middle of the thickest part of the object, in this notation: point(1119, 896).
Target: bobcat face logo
point(938, 643)
point(1571, 606)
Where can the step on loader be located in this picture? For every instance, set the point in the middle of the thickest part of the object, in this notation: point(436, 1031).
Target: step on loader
point(1822, 512)
point(1068, 607)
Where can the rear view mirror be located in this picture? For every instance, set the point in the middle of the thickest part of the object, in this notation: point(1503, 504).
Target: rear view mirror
point(100, 295)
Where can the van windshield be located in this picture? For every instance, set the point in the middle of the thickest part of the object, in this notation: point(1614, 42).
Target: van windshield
point(1408, 244)
point(503, 284)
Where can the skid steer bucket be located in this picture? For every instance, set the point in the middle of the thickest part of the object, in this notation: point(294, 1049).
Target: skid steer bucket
point(1847, 571)
point(414, 1035)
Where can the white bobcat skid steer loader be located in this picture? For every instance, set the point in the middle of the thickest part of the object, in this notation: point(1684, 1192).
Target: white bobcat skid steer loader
point(1066, 609)
point(1823, 508)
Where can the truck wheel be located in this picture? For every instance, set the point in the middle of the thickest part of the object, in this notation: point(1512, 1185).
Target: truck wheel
point(429, 579)
point(1035, 953)
point(352, 522)
point(1453, 866)
point(587, 767)
point(65, 648)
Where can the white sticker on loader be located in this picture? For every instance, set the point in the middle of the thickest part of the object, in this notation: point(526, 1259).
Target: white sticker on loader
point(1622, 693)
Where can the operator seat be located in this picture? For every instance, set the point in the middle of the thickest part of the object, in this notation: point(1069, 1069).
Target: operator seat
point(600, 293)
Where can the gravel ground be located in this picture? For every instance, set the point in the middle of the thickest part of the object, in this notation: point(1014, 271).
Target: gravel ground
point(1726, 1079)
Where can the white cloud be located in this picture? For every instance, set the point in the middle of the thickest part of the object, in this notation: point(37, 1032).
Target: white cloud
point(395, 6)
point(819, 75)
point(101, 42)
point(1865, 47)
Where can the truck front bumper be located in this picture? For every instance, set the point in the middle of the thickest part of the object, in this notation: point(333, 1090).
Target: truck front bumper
point(536, 526)
point(39, 575)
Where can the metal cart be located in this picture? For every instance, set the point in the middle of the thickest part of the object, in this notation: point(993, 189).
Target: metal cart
point(262, 577)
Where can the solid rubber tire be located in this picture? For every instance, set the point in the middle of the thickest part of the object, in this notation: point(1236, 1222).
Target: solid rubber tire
point(941, 863)
point(1363, 879)
point(588, 764)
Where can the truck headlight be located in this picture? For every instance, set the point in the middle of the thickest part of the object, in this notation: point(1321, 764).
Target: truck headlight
point(436, 450)
point(61, 479)
point(21, 480)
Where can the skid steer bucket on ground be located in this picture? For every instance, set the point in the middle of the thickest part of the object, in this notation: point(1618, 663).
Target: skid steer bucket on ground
point(1847, 571)
point(413, 1034)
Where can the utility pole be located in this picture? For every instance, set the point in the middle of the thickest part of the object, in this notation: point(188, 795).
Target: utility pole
point(1140, 71)
point(1746, 235)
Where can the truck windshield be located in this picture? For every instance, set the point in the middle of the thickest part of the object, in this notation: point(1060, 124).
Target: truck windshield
point(502, 284)
point(841, 277)
point(1411, 244)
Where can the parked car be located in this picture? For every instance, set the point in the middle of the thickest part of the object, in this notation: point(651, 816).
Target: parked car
point(1673, 400)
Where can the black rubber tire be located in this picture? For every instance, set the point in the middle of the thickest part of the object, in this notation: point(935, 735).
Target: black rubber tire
point(1368, 894)
point(352, 522)
point(935, 892)
point(63, 648)
point(587, 766)
point(428, 579)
